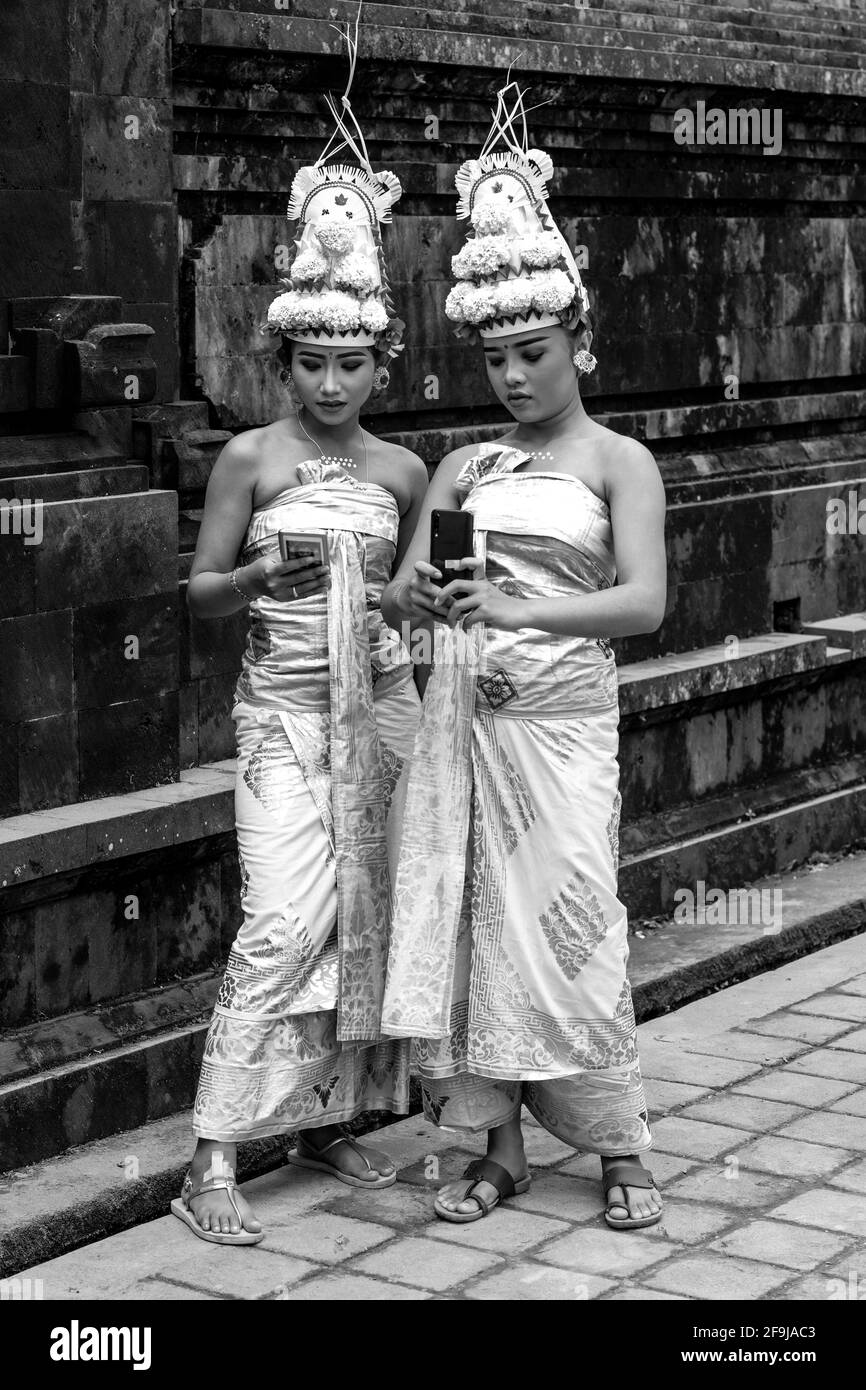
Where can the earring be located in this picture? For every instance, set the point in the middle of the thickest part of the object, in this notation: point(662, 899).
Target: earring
point(381, 379)
point(584, 361)
point(288, 381)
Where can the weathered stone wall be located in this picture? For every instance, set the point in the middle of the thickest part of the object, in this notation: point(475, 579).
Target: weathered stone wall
point(704, 263)
point(86, 197)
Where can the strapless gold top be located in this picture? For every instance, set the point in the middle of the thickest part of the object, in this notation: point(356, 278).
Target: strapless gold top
point(542, 535)
point(286, 660)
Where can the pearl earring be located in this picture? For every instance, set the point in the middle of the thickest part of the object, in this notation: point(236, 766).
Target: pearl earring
point(584, 361)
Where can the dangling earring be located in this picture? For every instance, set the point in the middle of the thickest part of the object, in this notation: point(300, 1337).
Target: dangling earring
point(584, 361)
point(288, 381)
point(381, 379)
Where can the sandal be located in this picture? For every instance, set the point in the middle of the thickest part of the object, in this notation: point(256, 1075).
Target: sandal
point(484, 1170)
point(313, 1159)
point(627, 1175)
point(209, 1183)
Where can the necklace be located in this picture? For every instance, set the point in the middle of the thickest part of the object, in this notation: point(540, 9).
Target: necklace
point(342, 462)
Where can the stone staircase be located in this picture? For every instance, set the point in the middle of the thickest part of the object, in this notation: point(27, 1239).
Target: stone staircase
point(118, 873)
point(667, 41)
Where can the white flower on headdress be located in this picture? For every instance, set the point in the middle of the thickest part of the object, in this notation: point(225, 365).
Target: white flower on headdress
point(284, 312)
point(482, 255)
point(338, 240)
point(543, 249)
point(309, 265)
point(490, 218)
point(373, 316)
point(514, 296)
point(336, 311)
point(357, 273)
point(471, 303)
point(552, 290)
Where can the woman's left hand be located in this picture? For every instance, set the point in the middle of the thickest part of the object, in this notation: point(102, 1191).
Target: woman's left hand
point(479, 601)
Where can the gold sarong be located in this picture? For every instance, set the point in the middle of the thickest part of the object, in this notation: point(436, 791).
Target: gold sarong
point(509, 943)
point(325, 713)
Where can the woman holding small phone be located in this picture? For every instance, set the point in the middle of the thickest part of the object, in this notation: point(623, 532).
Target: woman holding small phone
point(508, 952)
point(325, 711)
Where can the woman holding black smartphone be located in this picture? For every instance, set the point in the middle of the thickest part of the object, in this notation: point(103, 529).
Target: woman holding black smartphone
point(325, 710)
point(509, 944)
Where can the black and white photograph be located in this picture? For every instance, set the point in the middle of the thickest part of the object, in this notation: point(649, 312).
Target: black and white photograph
point(433, 667)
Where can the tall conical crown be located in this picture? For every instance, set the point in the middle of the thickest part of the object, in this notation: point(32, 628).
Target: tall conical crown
point(516, 270)
point(338, 293)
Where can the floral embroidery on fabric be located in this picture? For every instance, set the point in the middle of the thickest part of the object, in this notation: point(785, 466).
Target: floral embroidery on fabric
point(392, 766)
point(259, 639)
point(498, 688)
point(612, 830)
point(433, 1104)
point(325, 1090)
point(266, 774)
point(573, 926)
point(508, 990)
point(289, 938)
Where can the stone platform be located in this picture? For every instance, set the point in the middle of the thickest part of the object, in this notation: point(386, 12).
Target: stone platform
point(758, 1104)
point(149, 1049)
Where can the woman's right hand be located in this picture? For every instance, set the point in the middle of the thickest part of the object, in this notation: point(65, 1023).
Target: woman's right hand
point(417, 595)
point(284, 580)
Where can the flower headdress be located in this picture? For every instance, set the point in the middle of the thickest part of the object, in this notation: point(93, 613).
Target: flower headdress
point(516, 271)
point(338, 293)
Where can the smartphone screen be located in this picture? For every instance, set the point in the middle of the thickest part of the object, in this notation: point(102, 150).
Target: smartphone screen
point(297, 545)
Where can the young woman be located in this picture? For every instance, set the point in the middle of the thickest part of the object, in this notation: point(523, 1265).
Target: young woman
point(514, 985)
point(325, 710)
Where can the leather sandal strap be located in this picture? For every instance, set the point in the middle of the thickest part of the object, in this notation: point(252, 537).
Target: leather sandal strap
point(626, 1175)
point(343, 1139)
point(488, 1170)
point(212, 1185)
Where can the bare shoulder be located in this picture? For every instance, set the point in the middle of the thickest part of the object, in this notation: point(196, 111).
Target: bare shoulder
point(627, 462)
point(451, 463)
point(240, 456)
point(411, 466)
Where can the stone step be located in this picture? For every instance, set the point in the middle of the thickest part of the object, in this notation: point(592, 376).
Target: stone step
point(247, 31)
point(670, 16)
point(731, 841)
point(29, 454)
point(673, 425)
point(794, 17)
point(109, 1184)
point(89, 482)
point(16, 385)
point(628, 29)
point(705, 174)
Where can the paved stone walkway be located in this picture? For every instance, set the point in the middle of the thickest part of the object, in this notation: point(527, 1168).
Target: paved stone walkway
point(759, 1099)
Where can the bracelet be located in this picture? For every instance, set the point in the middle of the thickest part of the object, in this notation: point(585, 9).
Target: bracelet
point(233, 583)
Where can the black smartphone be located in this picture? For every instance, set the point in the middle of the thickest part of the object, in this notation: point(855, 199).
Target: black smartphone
point(451, 539)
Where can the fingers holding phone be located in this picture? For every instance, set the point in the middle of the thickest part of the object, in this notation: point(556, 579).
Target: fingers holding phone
point(297, 570)
point(422, 590)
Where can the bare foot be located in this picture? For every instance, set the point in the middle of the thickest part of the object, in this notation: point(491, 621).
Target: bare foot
point(212, 1210)
point(631, 1202)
